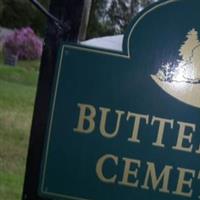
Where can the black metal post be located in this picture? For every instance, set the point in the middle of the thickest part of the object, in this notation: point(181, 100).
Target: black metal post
point(55, 20)
point(69, 11)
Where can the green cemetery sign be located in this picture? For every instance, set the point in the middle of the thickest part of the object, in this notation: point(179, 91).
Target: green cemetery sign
point(126, 125)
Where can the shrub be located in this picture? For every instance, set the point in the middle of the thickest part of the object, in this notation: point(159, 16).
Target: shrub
point(24, 43)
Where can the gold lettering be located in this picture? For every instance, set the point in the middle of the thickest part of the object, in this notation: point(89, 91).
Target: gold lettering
point(136, 126)
point(151, 174)
point(100, 165)
point(182, 137)
point(161, 129)
point(198, 151)
point(183, 183)
point(104, 119)
point(81, 127)
point(128, 172)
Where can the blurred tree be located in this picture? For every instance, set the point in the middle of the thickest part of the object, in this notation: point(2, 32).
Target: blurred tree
point(97, 24)
point(21, 13)
point(110, 17)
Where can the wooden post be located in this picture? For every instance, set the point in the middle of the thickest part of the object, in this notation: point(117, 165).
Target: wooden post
point(85, 19)
point(68, 11)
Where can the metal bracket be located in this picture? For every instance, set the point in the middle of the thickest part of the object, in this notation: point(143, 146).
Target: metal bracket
point(64, 27)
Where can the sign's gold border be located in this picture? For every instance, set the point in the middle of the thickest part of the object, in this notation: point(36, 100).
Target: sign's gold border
point(99, 51)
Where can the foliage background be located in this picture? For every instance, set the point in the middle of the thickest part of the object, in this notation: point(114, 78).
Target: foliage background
point(108, 17)
point(21, 13)
point(111, 17)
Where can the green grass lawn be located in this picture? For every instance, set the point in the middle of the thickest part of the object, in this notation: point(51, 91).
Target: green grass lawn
point(17, 94)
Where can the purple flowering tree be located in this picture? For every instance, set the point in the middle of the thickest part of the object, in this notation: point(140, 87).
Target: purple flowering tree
point(24, 44)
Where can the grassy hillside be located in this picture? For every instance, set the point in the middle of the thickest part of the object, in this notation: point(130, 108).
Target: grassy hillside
point(17, 94)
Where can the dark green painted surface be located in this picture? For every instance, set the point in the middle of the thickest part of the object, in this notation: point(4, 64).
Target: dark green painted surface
point(122, 81)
